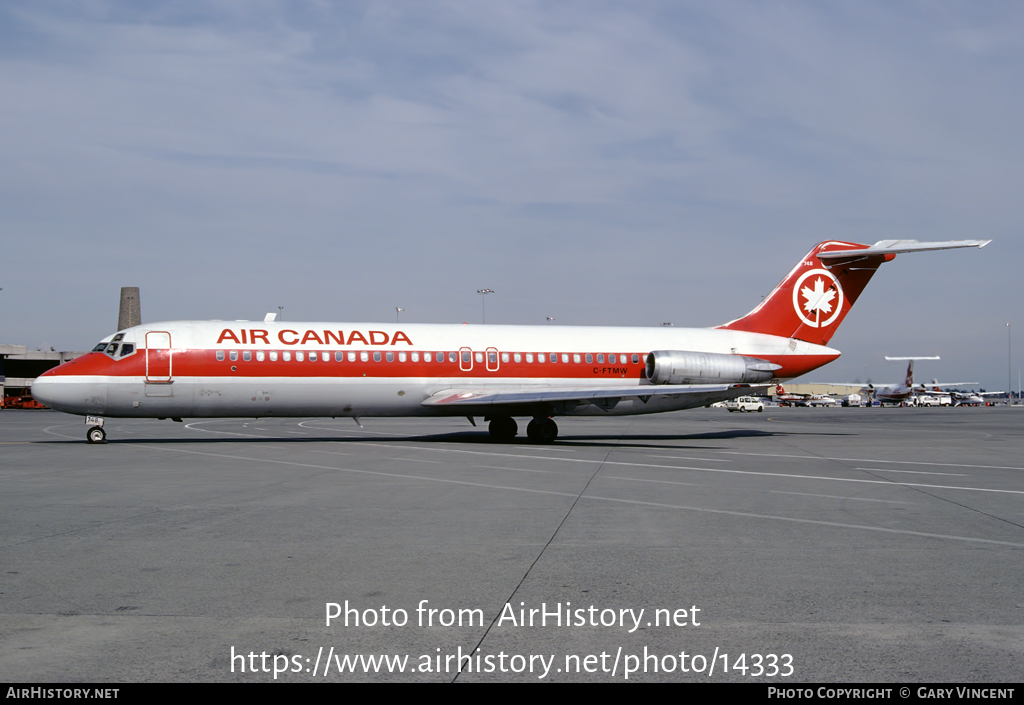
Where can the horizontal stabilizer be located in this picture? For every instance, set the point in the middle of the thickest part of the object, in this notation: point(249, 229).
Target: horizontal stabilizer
point(814, 298)
point(894, 247)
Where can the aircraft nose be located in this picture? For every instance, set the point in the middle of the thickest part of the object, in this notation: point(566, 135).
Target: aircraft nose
point(46, 390)
point(71, 396)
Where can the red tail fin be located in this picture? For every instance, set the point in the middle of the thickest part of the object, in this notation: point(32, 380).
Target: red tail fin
point(815, 297)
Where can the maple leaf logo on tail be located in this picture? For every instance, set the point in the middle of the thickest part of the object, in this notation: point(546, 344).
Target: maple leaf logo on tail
point(822, 298)
point(819, 298)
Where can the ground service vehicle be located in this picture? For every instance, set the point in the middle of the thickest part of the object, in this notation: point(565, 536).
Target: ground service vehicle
point(744, 404)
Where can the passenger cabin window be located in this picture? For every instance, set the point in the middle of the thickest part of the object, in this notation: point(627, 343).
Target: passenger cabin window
point(233, 355)
point(273, 356)
point(259, 356)
point(286, 356)
point(246, 355)
point(391, 357)
point(299, 356)
point(339, 356)
point(220, 356)
point(376, 357)
point(312, 356)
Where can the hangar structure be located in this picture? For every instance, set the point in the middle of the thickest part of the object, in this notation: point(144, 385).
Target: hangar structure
point(19, 366)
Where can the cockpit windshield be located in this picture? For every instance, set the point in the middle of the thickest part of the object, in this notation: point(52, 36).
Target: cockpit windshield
point(112, 348)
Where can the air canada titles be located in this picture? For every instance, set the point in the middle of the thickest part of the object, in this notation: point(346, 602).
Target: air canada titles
point(254, 336)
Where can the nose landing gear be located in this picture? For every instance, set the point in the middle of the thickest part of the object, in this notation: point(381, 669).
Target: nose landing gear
point(95, 432)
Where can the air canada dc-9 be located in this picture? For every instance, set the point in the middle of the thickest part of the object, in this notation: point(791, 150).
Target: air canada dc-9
point(217, 369)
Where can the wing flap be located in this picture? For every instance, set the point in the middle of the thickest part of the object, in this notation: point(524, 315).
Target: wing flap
point(539, 395)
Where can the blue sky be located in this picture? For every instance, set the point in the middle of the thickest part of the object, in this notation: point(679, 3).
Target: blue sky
point(597, 162)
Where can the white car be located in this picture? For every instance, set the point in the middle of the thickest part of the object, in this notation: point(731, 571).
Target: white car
point(744, 404)
point(936, 400)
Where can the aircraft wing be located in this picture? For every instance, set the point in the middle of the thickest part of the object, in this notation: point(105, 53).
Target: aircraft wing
point(489, 397)
point(894, 247)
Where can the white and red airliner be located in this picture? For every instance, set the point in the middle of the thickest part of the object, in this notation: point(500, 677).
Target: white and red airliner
point(899, 393)
point(205, 369)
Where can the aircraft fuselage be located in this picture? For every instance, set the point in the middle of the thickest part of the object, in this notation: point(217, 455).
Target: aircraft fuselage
point(242, 369)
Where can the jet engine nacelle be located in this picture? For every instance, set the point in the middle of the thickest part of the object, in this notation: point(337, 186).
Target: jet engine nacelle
point(686, 367)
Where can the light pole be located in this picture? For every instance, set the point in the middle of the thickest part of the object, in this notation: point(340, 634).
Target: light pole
point(398, 311)
point(1009, 367)
point(280, 313)
point(483, 306)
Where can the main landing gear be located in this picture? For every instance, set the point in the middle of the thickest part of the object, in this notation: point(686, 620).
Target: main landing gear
point(542, 430)
point(504, 429)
